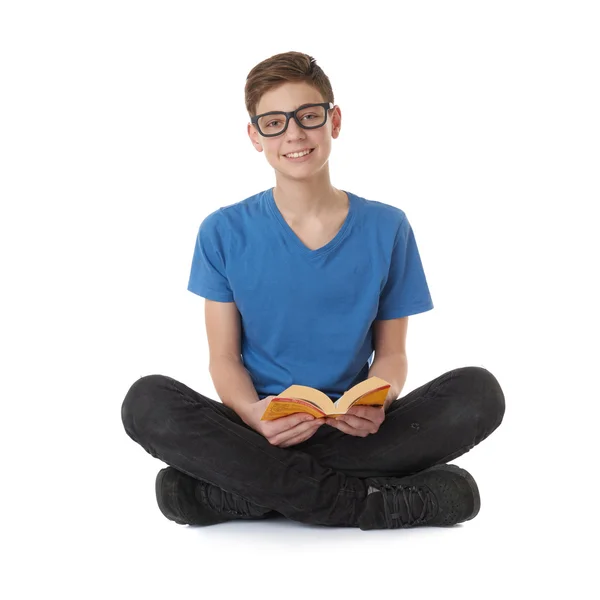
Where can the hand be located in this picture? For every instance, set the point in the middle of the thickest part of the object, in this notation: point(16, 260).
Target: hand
point(359, 420)
point(282, 432)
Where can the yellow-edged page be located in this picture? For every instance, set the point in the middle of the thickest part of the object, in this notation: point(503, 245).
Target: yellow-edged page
point(373, 398)
point(282, 407)
point(371, 392)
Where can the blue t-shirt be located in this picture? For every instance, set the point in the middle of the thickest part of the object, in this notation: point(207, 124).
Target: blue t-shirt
point(307, 315)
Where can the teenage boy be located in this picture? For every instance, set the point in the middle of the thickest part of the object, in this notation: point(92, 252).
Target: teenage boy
point(302, 283)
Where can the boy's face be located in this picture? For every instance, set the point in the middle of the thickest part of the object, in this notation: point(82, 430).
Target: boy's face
point(288, 97)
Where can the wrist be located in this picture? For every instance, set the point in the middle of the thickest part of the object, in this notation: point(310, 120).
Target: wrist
point(243, 411)
point(387, 402)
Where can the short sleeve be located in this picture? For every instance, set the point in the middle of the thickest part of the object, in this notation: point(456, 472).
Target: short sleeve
point(207, 275)
point(406, 291)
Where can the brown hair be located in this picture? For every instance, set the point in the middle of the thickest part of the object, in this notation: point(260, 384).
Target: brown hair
point(281, 68)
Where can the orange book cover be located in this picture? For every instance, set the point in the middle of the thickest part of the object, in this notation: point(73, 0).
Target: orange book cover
point(301, 398)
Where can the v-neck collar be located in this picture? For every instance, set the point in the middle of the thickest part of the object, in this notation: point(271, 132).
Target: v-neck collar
point(341, 234)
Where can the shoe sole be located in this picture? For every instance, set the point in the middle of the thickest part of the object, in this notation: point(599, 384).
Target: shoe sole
point(470, 481)
point(160, 484)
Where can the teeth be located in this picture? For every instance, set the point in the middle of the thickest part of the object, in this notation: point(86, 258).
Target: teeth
point(297, 154)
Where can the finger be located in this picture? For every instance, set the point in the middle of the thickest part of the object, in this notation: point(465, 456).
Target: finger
point(343, 426)
point(372, 413)
point(283, 424)
point(299, 438)
point(359, 423)
point(284, 436)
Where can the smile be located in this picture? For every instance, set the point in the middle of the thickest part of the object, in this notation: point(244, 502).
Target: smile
point(296, 155)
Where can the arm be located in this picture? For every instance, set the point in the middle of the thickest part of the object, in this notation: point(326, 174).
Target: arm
point(390, 362)
point(393, 369)
point(233, 383)
point(229, 375)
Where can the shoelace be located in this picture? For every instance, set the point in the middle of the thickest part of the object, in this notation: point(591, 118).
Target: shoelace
point(400, 502)
point(221, 501)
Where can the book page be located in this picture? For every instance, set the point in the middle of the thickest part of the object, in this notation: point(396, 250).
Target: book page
point(372, 391)
point(278, 408)
point(304, 392)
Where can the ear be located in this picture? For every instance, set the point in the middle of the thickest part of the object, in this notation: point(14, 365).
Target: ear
point(254, 137)
point(336, 122)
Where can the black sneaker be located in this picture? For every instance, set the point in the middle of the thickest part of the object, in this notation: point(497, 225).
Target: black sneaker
point(440, 496)
point(189, 501)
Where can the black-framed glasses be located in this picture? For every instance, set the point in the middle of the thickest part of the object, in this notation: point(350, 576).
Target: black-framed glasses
point(308, 116)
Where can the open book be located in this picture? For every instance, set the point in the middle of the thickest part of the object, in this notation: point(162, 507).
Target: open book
point(301, 398)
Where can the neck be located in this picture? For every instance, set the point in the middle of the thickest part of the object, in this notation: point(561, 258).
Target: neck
point(306, 199)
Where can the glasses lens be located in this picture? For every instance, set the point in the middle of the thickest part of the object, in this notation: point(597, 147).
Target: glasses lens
point(309, 116)
point(312, 116)
point(271, 124)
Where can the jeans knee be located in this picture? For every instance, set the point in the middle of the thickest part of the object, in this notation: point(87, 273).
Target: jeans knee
point(139, 402)
point(488, 394)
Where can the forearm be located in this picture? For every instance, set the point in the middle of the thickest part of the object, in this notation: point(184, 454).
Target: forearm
point(394, 370)
point(233, 384)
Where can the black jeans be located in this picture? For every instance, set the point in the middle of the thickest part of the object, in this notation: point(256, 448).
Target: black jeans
point(321, 480)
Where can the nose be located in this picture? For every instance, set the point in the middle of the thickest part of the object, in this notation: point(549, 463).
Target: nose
point(294, 130)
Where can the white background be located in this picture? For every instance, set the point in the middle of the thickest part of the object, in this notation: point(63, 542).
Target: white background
point(122, 125)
